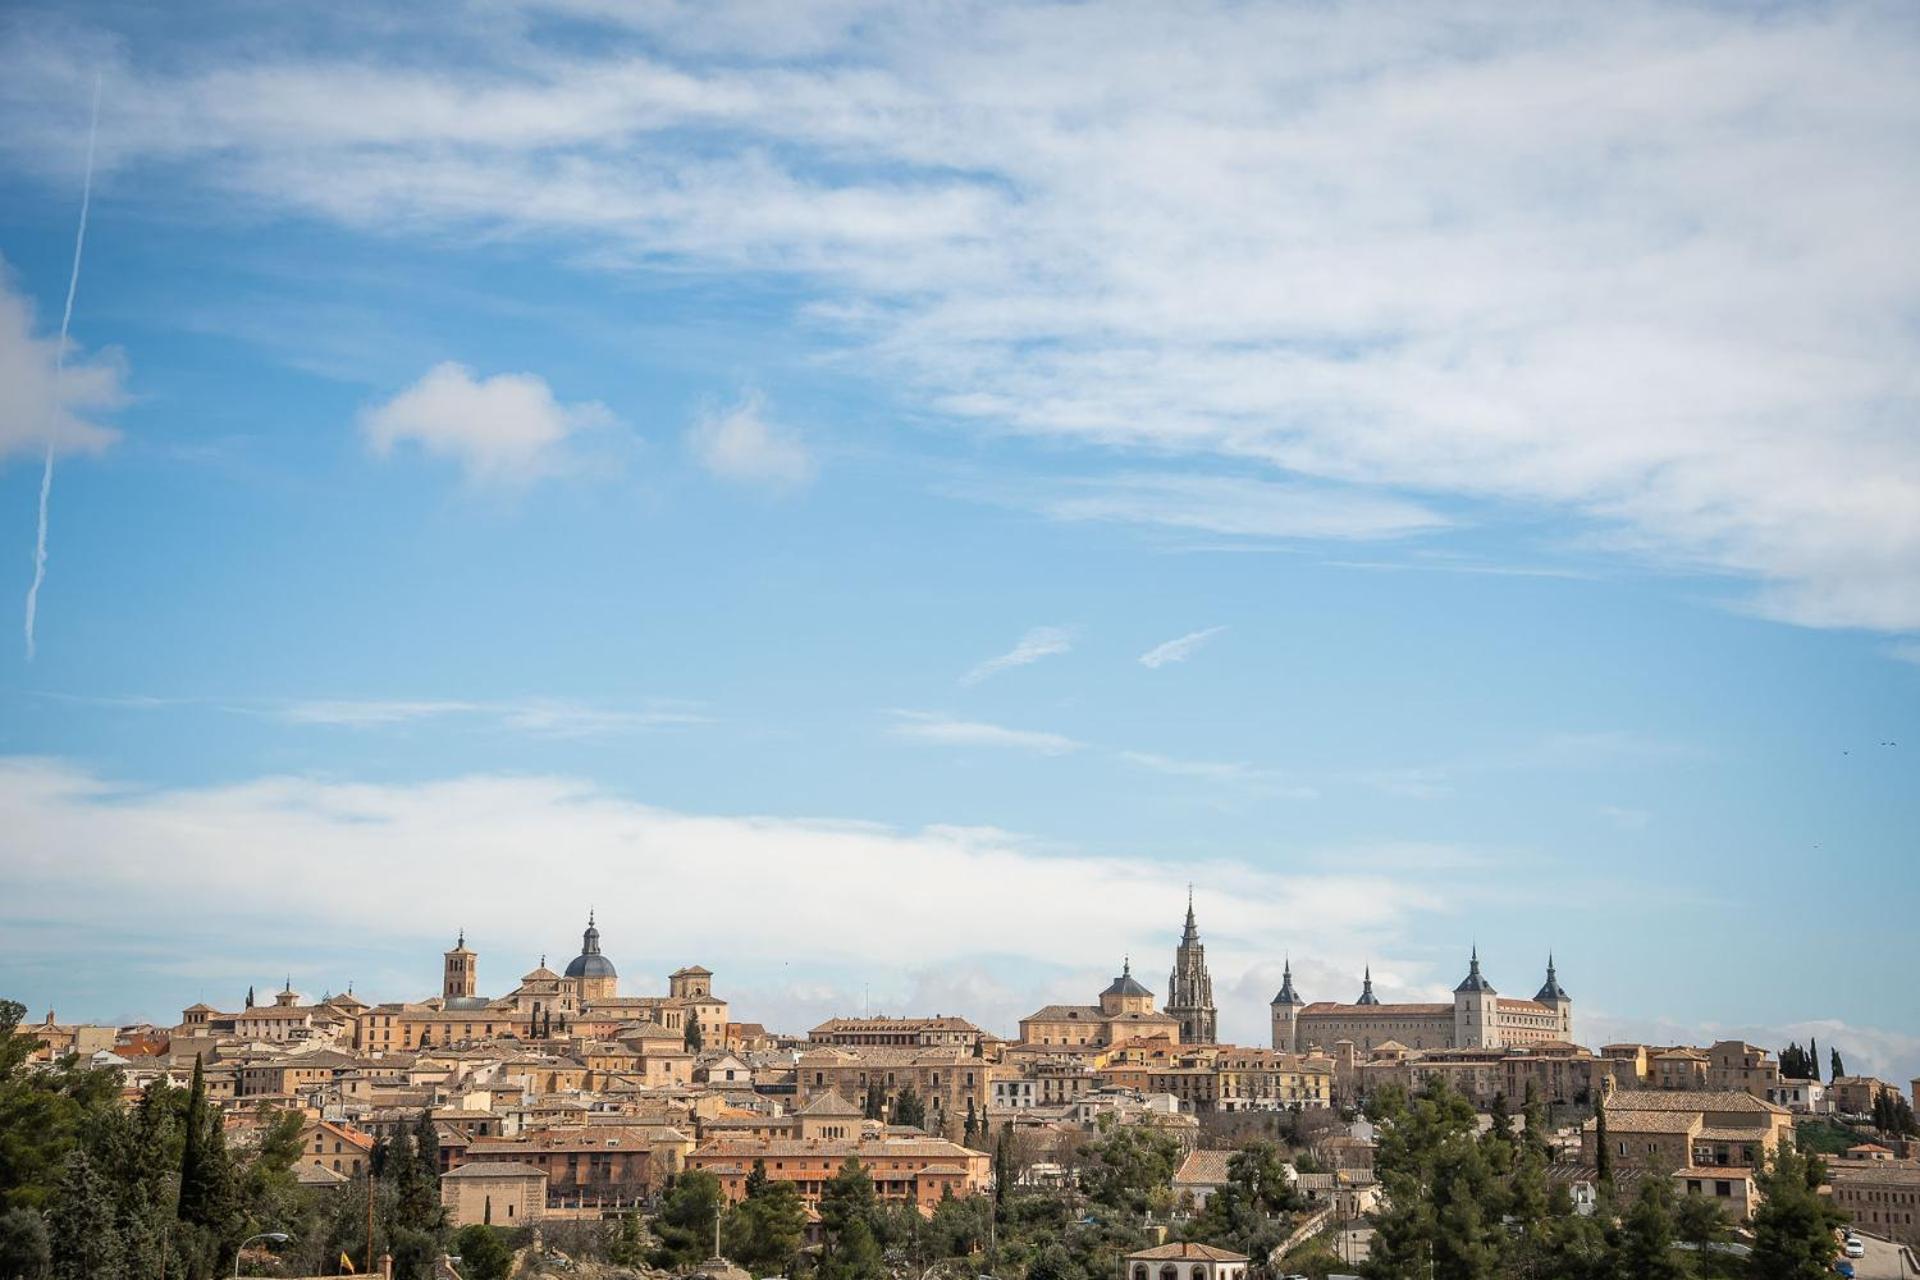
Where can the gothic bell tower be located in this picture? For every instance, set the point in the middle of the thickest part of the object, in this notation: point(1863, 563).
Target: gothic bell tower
point(1190, 987)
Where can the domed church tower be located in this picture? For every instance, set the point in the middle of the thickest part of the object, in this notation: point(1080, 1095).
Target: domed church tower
point(591, 974)
point(1126, 995)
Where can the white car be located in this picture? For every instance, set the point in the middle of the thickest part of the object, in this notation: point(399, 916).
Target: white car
point(1856, 1249)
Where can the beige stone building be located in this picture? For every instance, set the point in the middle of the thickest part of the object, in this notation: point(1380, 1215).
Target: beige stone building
point(1879, 1195)
point(921, 1171)
point(953, 1083)
point(1185, 1261)
point(1856, 1095)
point(340, 1148)
point(937, 1032)
point(1736, 1066)
point(1710, 1143)
point(501, 1194)
point(1478, 1018)
point(600, 1164)
point(1125, 1011)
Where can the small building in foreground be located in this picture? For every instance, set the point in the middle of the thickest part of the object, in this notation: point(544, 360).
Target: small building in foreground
point(1184, 1261)
point(501, 1193)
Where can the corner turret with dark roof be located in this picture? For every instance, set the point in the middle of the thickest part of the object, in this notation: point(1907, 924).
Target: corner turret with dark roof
point(1287, 994)
point(1475, 982)
point(1550, 989)
point(1366, 989)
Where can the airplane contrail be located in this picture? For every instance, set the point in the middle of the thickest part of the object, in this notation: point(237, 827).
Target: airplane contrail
point(59, 368)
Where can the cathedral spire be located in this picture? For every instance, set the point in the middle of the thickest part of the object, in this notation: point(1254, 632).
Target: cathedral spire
point(1190, 987)
point(1366, 988)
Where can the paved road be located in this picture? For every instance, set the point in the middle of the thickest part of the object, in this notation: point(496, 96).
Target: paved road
point(1354, 1244)
point(1883, 1262)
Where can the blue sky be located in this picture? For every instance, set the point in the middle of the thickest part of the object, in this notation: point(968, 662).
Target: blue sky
point(728, 469)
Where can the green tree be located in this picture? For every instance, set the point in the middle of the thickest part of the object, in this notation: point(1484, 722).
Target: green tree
point(1498, 1145)
point(1602, 1149)
point(1646, 1238)
point(25, 1253)
point(853, 1256)
point(875, 1106)
point(627, 1244)
point(695, 1039)
point(1813, 1059)
point(687, 1216)
point(1052, 1262)
point(1443, 1201)
point(1130, 1167)
point(909, 1108)
point(765, 1231)
point(483, 1254)
point(1794, 1225)
point(206, 1231)
point(847, 1198)
point(1004, 1173)
point(80, 1233)
point(1836, 1066)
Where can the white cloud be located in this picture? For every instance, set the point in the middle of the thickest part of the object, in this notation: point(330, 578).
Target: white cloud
point(83, 847)
point(36, 407)
point(1878, 1051)
point(1905, 651)
point(741, 445)
point(1040, 642)
point(1178, 649)
point(1639, 265)
point(505, 429)
point(924, 726)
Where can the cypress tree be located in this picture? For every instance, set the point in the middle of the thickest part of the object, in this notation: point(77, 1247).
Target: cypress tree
point(1813, 1059)
point(1603, 1150)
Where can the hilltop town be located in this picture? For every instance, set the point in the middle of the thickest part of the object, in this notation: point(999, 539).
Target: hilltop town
point(570, 1115)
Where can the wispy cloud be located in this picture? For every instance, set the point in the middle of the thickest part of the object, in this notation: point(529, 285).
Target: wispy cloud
point(1178, 649)
point(743, 445)
point(1041, 642)
point(542, 717)
point(1235, 773)
point(506, 429)
point(1905, 651)
point(1237, 506)
point(1625, 817)
point(926, 726)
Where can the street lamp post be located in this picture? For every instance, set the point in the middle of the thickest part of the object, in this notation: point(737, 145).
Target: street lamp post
point(277, 1237)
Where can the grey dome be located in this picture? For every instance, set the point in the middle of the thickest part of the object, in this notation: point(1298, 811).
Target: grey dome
point(1126, 984)
point(590, 963)
point(593, 965)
